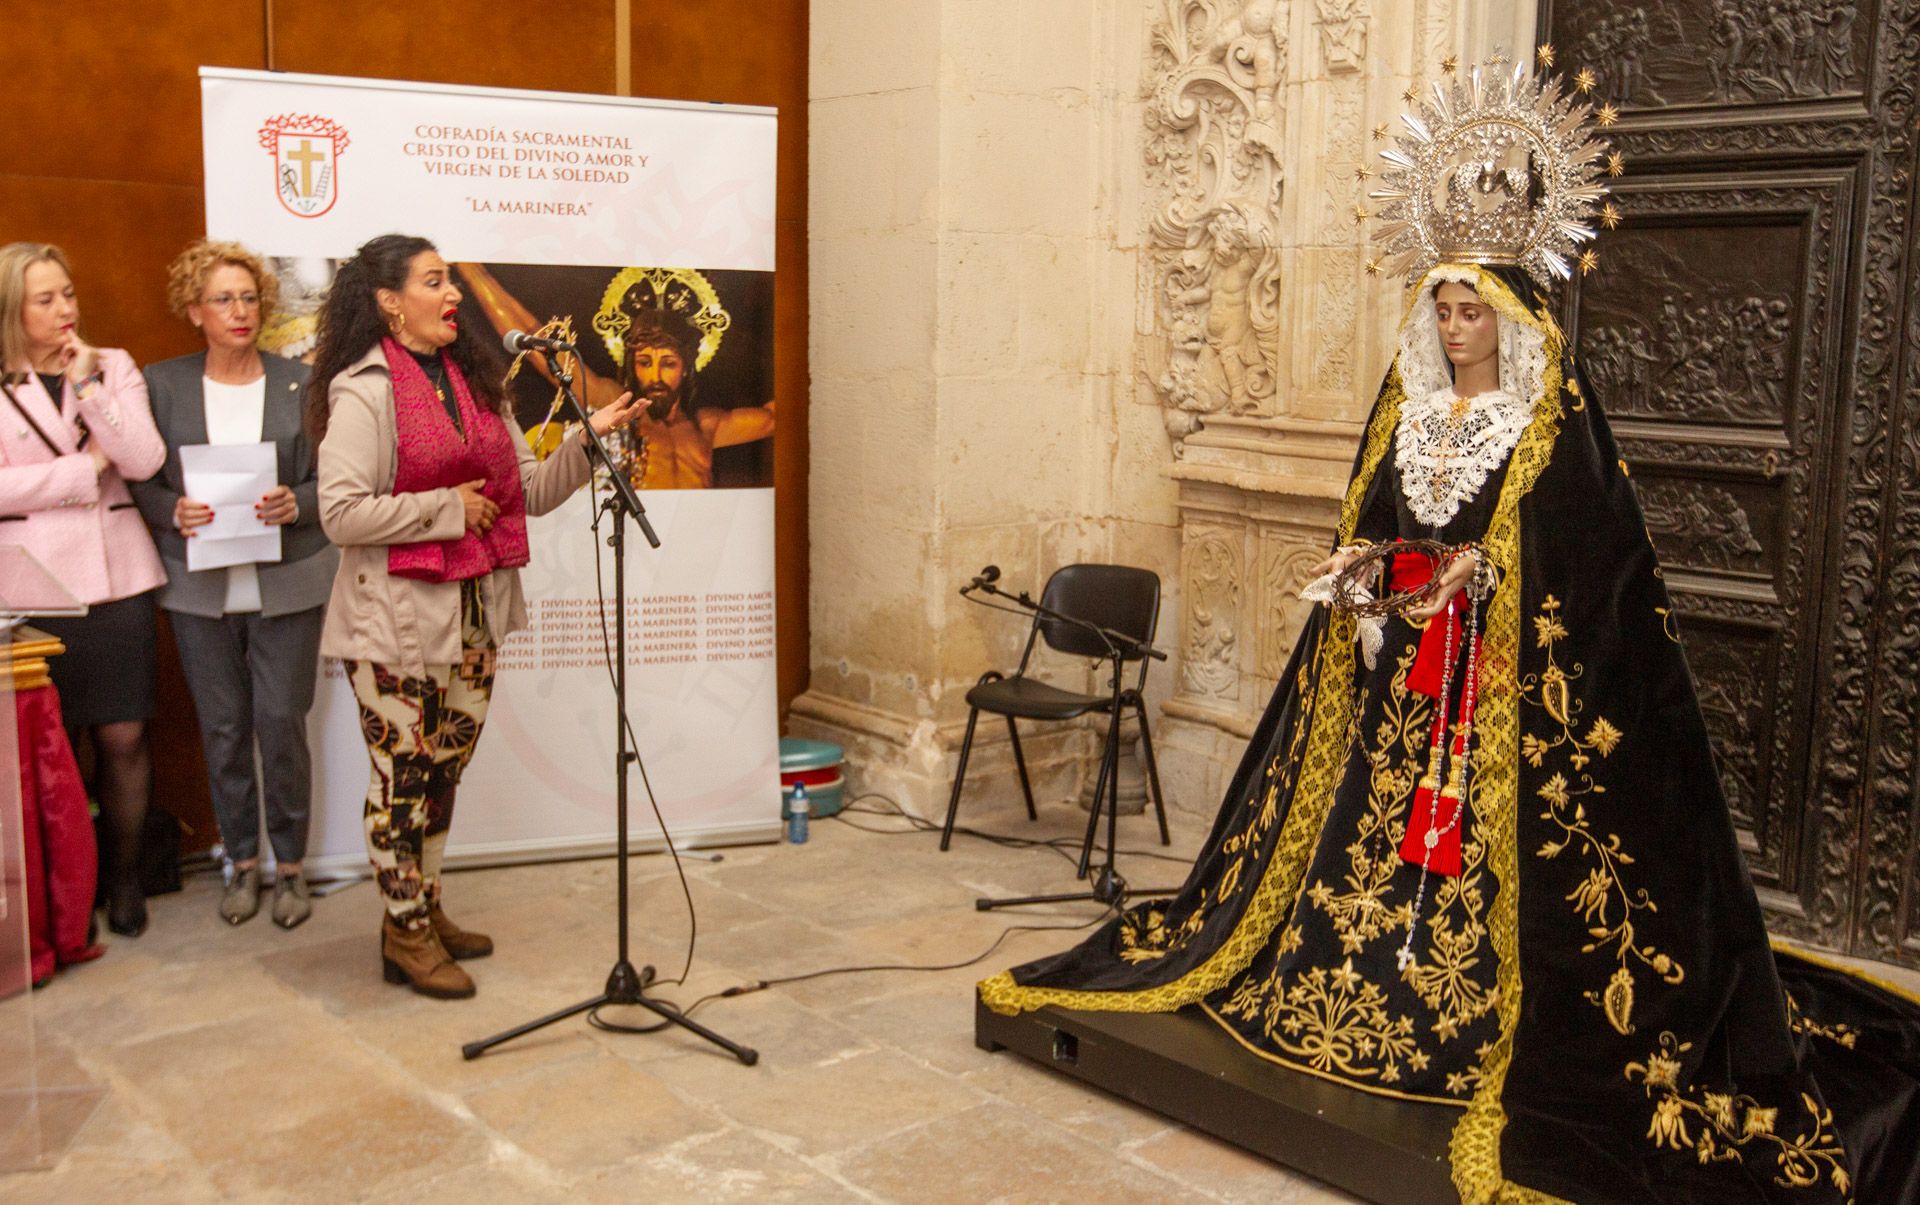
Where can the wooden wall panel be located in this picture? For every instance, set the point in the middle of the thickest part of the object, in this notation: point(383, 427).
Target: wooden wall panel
point(558, 47)
point(753, 52)
point(110, 91)
point(101, 154)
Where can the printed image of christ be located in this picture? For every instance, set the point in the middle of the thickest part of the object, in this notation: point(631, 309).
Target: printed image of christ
point(697, 346)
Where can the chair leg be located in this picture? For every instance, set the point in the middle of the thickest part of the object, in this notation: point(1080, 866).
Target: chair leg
point(1109, 770)
point(1020, 760)
point(1153, 769)
point(959, 777)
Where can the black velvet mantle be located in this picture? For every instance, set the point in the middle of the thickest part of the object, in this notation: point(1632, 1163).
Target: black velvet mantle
point(1651, 1046)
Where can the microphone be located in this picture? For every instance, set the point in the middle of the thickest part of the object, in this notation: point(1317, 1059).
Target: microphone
point(987, 576)
point(519, 342)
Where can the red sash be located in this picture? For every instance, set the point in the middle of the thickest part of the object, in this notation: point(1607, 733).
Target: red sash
point(1437, 806)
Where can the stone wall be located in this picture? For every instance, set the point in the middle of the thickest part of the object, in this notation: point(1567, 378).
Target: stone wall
point(1086, 285)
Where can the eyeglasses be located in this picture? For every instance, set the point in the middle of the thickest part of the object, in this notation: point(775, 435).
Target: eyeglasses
point(224, 301)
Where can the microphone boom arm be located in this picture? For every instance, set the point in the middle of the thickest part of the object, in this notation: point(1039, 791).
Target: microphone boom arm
point(1112, 639)
point(597, 451)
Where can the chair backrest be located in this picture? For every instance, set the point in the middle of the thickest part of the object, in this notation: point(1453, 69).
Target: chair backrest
point(1119, 597)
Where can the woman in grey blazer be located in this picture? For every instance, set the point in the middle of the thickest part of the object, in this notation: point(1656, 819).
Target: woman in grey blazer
point(249, 635)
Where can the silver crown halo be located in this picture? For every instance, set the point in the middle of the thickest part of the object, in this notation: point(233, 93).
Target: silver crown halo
point(1501, 167)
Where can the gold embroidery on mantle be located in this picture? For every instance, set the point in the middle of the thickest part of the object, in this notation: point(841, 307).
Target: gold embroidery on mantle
point(1145, 935)
point(1716, 1125)
point(1328, 700)
point(1839, 1032)
point(1442, 977)
point(1361, 913)
point(1595, 897)
point(1475, 1149)
point(1333, 1018)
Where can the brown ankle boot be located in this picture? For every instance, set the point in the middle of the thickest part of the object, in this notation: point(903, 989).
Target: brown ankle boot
point(458, 942)
point(416, 957)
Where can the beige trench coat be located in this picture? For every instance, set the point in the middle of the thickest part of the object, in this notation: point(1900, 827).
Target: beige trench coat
point(397, 621)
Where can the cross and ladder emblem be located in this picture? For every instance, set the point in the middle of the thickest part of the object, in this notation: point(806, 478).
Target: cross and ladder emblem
point(306, 150)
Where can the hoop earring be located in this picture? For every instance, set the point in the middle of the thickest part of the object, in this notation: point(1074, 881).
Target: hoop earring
point(397, 325)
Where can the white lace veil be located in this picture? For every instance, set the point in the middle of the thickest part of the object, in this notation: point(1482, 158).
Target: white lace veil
point(1423, 357)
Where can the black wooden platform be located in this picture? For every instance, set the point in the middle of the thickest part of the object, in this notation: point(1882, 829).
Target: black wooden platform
point(1183, 1065)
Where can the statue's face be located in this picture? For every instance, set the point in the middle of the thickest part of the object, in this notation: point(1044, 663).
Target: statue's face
point(1469, 329)
point(659, 374)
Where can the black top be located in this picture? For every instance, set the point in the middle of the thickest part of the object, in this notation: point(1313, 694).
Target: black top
point(435, 367)
point(55, 382)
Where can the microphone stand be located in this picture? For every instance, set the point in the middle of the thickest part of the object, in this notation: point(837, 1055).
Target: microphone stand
point(625, 985)
point(1109, 887)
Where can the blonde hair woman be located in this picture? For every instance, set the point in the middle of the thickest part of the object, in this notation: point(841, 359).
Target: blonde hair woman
point(249, 635)
point(74, 429)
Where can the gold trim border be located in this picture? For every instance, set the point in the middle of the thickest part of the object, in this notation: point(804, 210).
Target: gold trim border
point(1331, 1078)
point(1323, 762)
point(1475, 1150)
point(1782, 946)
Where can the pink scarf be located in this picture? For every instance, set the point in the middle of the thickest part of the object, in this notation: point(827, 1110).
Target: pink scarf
point(432, 456)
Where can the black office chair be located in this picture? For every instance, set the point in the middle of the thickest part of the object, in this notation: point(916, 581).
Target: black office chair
point(1116, 597)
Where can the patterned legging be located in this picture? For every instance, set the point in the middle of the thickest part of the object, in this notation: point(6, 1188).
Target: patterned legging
point(420, 734)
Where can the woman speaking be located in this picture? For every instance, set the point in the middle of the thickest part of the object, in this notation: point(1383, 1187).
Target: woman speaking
point(426, 482)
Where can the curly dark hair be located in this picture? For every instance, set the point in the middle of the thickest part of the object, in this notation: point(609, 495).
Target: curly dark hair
point(658, 327)
point(351, 324)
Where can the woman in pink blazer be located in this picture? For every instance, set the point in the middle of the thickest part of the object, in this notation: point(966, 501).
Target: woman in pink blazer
point(74, 429)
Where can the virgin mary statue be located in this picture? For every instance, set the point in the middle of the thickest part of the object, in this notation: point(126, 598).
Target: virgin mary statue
point(1478, 854)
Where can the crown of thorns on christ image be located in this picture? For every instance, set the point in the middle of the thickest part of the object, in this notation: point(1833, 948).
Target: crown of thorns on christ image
point(680, 305)
point(661, 328)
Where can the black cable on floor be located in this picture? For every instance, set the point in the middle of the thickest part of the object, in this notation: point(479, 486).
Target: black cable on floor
point(1059, 845)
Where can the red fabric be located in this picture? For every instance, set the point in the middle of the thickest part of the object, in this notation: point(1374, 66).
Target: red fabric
point(1446, 854)
point(434, 456)
point(1410, 571)
point(57, 834)
point(830, 776)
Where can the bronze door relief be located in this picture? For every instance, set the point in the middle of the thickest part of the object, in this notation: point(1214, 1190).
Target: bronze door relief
point(1751, 329)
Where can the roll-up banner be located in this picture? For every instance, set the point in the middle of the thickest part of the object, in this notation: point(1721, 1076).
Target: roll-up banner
point(646, 230)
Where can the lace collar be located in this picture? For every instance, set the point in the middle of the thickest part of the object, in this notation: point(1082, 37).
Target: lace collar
point(1446, 449)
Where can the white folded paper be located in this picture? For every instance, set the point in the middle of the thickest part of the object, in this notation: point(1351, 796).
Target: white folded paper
point(230, 478)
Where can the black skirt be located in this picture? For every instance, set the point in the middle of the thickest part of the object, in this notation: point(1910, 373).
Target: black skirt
point(106, 674)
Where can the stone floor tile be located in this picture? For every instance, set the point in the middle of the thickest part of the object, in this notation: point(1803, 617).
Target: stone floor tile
point(869, 1087)
point(851, 1102)
point(995, 1153)
point(589, 1113)
point(214, 1091)
point(734, 1166)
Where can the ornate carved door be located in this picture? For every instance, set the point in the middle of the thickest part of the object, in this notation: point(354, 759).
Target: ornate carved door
point(1751, 329)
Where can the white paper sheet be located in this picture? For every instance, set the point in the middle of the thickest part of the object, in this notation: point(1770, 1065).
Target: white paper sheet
point(230, 478)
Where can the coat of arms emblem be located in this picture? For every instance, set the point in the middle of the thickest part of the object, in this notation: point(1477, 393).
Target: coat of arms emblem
point(306, 150)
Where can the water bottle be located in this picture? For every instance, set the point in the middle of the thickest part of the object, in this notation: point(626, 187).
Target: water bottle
point(798, 810)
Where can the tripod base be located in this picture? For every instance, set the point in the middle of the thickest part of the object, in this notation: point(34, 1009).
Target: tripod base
point(624, 986)
point(1108, 888)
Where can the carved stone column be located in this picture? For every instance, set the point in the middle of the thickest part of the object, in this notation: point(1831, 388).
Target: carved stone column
point(970, 333)
point(1085, 285)
point(1270, 336)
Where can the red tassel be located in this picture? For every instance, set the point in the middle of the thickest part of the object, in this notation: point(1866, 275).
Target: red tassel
point(1429, 664)
point(1445, 826)
point(1446, 850)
